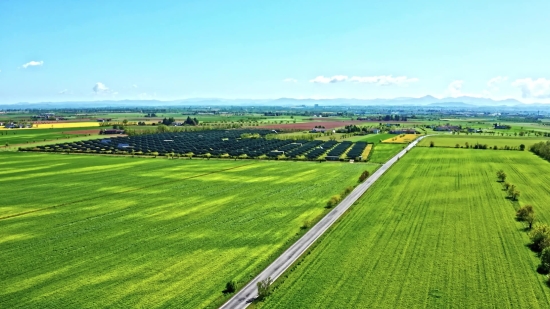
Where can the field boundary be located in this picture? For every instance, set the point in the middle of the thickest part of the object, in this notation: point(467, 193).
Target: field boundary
point(248, 293)
point(121, 192)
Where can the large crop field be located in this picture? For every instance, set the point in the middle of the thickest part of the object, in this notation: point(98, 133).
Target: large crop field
point(491, 141)
point(20, 136)
point(87, 231)
point(435, 232)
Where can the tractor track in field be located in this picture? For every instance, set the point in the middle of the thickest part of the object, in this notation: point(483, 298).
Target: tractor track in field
point(121, 192)
point(245, 296)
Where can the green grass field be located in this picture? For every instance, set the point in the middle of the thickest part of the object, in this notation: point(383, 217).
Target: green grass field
point(435, 232)
point(383, 152)
point(487, 124)
point(94, 232)
point(71, 138)
point(21, 136)
point(500, 141)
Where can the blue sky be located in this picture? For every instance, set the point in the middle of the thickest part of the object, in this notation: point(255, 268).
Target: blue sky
point(98, 50)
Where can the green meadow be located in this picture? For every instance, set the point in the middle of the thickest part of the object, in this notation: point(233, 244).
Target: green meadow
point(94, 232)
point(449, 140)
point(435, 232)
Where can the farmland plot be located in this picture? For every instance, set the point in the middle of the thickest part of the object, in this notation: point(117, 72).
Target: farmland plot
point(94, 232)
point(20, 136)
point(435, 232)
point(383, 152)
point(402, 138)
point(499, 141)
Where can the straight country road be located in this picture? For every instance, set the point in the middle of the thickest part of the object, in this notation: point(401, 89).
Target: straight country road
point(247, 294)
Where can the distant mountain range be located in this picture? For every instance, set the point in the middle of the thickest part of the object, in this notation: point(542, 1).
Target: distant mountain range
point(428, 101)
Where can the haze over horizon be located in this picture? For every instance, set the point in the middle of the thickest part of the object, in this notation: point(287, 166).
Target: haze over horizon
point(60, 51)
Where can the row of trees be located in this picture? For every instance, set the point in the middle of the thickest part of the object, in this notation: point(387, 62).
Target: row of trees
point(539, 235)
point(513, 192)
point(521, 147)
point(161, 128)
point(540, 243)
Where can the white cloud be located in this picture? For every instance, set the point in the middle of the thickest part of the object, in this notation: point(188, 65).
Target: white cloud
point(290, 80)
point(329, 80)
point(384, 80)
point(32, 64)
point(455, 88)
point(495, 81)
point(533, 88)
point(100, 88)
point(134, 86)
point(63, 91)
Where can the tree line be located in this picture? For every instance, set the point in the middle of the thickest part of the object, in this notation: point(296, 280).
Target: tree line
point(538, 234)
point(541, 149)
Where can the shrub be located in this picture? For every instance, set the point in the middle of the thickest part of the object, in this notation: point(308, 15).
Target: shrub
point(432, 144)
point(230, 287)
point(334, 200)
point(364, 176)
point(545, 259)
point(348, 190)
point(540, 237)
point(264, 288)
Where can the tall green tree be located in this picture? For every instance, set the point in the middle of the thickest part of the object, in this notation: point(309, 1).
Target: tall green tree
point(501, 175)
point(524, 212)
point(264, 288)
point(540, 237)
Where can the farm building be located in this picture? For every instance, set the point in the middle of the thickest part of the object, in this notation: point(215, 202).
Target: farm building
point(446, 128)
point(16, 125)
point(318, 130)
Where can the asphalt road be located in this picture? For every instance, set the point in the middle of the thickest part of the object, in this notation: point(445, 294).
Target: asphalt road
point(247, 294)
